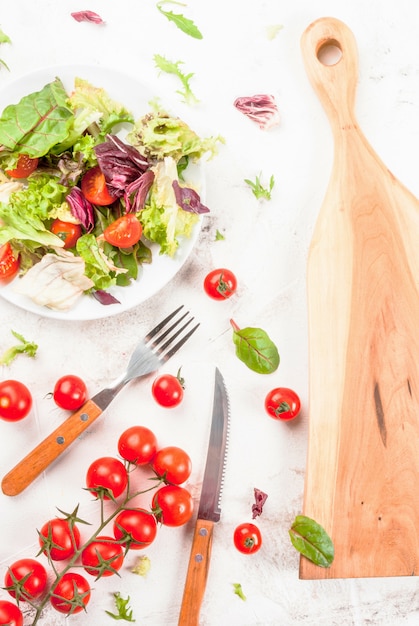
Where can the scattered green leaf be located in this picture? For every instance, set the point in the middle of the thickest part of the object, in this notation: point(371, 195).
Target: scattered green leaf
point(273, 30)
point(259, 191)
point(24, 347)
point(142, 566)
point(312, 541)
point(219, 236)
point(124, 612)
point(239, 591)
point(171, 67)
point(255, 349)
point(4, 39)
point(183, 23)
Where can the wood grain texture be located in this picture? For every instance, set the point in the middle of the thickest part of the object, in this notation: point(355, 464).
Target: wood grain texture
point(363, 309)
point(34, 463)
point(197, 574)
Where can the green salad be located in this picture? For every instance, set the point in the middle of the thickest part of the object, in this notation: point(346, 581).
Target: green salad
point(79, 206)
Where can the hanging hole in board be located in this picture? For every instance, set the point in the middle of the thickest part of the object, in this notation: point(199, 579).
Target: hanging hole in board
point(330, 52)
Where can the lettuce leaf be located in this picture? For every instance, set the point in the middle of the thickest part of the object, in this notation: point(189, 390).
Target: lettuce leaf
point(97, 266)
point(163, 220)
point(37, 122)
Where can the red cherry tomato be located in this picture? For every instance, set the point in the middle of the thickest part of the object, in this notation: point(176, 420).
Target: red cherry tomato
point(34, 575)
point(70, 392)
point(100, 550)
point(107, 477)
point(59, 539)
point(173, 505)
point(282, 404)
point(9, 264)
point(10, 614)
point(167, 390)
point(67, 231)
point(220, 284)
point(124, 232)
point(15, 400)
point(138, 445)
point(173, 464)
point(25, 166)
point(135, 528)
point(247, 538)
point(71, 594)
point(94, 188)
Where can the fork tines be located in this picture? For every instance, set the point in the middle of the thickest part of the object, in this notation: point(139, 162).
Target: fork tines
point(162, 338)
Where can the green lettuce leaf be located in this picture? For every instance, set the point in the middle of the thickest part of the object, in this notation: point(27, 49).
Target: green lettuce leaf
point(37, 122)
point(97, 266)
point(163, 220)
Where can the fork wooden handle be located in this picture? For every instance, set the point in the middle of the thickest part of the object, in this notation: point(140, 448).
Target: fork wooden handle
point(49, 449)
point(197, 574)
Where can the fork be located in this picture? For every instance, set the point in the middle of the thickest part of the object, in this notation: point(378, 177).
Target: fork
point(152, 351)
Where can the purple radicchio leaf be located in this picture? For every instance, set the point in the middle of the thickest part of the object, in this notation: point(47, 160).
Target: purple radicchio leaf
point(139, 188)
point(104, 297)
point(261, 108)
point(121, 164)
point(81, 208)
point(260, 499)
point(188, 199)
point(87, 16)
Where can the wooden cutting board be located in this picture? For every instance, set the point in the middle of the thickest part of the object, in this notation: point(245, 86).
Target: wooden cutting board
point(362, 477)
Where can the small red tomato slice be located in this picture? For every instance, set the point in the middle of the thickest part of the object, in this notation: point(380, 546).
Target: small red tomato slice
point(66, 231)
point(70, 392)
point(220, 284)
point(124, 232)
point(247, 538)
point(25, 166)
point(94, 188)
point(9, 264)
point(15, 400)
point(282, 403)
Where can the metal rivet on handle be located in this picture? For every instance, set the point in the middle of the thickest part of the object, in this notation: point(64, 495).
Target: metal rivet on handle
point(203, 532)
point(198, 558)
point(84, 417)
point(60, 440)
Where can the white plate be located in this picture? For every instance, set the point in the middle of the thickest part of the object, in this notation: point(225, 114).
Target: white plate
point(135, 97)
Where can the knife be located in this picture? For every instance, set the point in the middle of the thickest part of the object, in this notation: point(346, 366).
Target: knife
point(209, 511)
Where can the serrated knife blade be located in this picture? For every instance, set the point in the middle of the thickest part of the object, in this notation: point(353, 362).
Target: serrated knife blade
point(209, 508)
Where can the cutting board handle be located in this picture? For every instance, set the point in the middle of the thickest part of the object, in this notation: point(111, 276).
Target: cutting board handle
point(330, 56)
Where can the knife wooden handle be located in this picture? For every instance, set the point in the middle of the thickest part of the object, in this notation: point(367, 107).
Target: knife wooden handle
point(49, 449)
point(197, 574)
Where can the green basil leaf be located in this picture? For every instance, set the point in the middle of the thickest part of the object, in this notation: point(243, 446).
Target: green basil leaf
point(38, 122)
point(183, 23)
point(256, 350)
point(312, 541)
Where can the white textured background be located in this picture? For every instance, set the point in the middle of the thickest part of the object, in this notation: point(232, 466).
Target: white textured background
point(265, 245)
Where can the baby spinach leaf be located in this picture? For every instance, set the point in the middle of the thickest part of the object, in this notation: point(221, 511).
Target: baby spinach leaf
point(312, 541)
point(255, 349)
point(183, 23)
point(38, 122)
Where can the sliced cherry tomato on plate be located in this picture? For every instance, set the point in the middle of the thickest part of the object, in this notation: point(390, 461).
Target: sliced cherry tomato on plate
point(10, 614)
point(59, 539)
point(33, 576)
point(124, 232)
point(103, 557)
point(15, 400)
point(25, 166)
point(136, 527)
point(172, 464)
point(172, 505)
point(9, 264)
point(167, 390)
point(70, 392)
point(67, 231)
point(220, 284)
point(107, 476)
point(282, 403)
point(71, 594)
point(138, 445)
point(247, 538)
point(94, 188)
